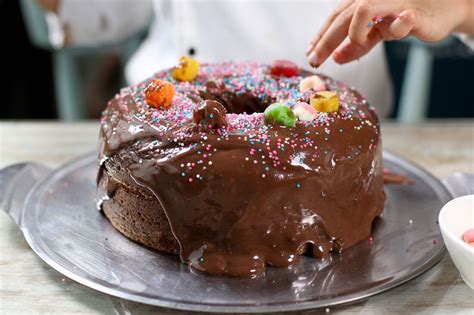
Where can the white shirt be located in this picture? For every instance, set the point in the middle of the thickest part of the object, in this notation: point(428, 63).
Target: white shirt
point(223, 30)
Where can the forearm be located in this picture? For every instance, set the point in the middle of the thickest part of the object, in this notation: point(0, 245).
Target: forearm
point(97, 22)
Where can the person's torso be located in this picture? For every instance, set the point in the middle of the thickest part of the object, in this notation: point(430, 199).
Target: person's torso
point(260, 30)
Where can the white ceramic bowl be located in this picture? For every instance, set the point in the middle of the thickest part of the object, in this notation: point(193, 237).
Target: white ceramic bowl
point(455, 218)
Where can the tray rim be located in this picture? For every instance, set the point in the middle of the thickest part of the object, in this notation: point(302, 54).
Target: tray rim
point(38, 246)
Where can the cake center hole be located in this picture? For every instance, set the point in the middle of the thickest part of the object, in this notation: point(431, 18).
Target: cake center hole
point(235, 103)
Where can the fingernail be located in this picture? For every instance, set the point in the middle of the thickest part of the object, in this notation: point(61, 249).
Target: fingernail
point(308, 50)
point(313, 59)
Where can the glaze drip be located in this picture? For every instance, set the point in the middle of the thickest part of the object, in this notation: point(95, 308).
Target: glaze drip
point(244, 195)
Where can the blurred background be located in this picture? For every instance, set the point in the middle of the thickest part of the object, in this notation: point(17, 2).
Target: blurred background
point(44, 82)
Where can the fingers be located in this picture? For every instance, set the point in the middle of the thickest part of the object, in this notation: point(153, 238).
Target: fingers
point(363, 15)
point(403, 25)
point(340, 8)
point(352, 19)
point(390, 29)
point(350, 52)
point(333, 37)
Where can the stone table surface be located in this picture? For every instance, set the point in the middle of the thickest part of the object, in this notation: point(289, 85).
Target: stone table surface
point(29, 286)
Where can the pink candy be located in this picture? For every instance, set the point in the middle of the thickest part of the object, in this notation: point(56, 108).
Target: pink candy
point(313, 82)
point(468, 237)
point(305, 112)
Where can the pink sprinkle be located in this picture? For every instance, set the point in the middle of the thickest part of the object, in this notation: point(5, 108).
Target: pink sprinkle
point(371, 240)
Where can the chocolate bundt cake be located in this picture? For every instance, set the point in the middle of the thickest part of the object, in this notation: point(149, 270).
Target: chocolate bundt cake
point(239, 165)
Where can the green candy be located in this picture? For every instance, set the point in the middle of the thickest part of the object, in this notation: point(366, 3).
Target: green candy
point(279, 114)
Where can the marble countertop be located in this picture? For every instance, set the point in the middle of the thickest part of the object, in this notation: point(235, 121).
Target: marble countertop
point(29, 286)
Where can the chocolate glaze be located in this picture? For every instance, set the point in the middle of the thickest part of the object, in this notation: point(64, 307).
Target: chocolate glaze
point(390, 177)
point(210, 115)
point(247, 195)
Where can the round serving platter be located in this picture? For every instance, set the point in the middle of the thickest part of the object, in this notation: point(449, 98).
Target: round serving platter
point(60, 222)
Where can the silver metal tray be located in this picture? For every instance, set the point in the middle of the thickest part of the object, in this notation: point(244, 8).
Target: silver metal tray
point(57, 214)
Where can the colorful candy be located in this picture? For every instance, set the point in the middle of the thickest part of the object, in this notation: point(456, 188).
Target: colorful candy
point(187, 70)
point(313, 82)
point(279, 114)
point(284, 68)
point(305, 112)
point(468, 237)
point(159, 94)
point(325, 101)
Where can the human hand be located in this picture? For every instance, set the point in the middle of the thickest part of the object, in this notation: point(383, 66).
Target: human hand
point(367, 22)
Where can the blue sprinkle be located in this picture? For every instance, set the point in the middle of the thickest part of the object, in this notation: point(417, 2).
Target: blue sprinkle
point(298, 185)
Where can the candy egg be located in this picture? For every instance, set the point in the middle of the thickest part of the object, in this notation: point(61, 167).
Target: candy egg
point(468, 237)
point(279, 114)
point(284, 68)
point(159, 94)
point(187, 70)
point(313, 82)
point(325, 101)
point(305, 112)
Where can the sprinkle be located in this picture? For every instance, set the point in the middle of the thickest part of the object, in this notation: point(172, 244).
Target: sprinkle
point(298, 185)
point(265, 143)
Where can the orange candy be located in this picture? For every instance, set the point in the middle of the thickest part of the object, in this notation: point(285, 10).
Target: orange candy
point(159, 94)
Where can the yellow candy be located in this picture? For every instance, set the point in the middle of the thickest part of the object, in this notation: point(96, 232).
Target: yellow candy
point(325, 101)
point(187, 70)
